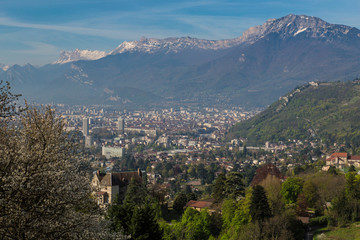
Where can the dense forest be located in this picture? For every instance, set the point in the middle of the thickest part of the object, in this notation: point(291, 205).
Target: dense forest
point(326, 111)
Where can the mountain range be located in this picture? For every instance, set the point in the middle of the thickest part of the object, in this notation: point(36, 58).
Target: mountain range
point(252, 70)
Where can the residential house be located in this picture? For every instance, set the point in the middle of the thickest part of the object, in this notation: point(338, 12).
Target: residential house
point(338, 159)
point(199, 205)
point(342, 159)
point(112, 185)
point(354, 160)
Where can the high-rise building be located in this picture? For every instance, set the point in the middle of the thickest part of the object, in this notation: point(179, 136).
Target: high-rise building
point(88, 141)
point(85, 126)
point(121, 125)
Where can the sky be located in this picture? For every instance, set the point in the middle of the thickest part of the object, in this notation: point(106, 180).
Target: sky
point(36, 31)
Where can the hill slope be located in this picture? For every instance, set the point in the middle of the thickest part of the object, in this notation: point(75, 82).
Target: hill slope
point(330, 111)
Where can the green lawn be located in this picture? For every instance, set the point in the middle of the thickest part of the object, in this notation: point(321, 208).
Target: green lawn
point(345, 233)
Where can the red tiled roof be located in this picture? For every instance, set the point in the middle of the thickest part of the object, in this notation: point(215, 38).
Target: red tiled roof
point(330, 158)
point(101, 193)
point(339, 154)
point(198, 204)
point(357, 157)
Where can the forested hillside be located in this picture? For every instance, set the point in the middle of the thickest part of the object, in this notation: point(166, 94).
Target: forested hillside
point(326, 111)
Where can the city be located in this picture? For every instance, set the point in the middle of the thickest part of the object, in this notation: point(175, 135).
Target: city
point(179, 120)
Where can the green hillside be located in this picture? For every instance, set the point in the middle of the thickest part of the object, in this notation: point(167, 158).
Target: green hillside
point(329, 111)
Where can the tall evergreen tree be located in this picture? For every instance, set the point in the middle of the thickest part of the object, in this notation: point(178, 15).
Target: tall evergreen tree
point(136, 193)
point(144, 224)
point(234, 186)
point(259, 206)
point(218, 188)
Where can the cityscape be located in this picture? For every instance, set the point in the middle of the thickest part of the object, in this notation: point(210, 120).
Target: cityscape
point(179, 120)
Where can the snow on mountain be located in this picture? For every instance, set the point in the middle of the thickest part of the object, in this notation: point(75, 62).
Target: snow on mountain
point(172, 45)
point(287, 27)
point(262, 64)
point(4, 67)
point(72, 56)
point(293, 25)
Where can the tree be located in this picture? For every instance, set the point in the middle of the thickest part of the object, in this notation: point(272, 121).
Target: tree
point(144, 224)
point(340, 211)
point(137, 215)
point(234, 186)
point(193, 225)
point(352, 187)
point(120, 216)
point(180, 201)
point(301, 205)
point(272, 187)
point(136, 193)
point(291, 188)
point(259, 206)
point(264, 171)
point(228, 209)
point(44, 193)
point(241, 215)
point(218, 188)
point(332, 170)
point(311, 193)
point(8, 105)
point(352, 169)
point(284, 226)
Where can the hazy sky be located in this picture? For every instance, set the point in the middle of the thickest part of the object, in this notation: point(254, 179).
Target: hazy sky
point(35, 31)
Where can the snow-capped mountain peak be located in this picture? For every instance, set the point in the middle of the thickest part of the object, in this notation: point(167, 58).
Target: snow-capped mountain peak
point(293, 25)
point(171, 45)
point(286, 27)
point(77, 54)
point(4, 67)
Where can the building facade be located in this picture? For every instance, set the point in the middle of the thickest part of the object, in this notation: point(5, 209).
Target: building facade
point(111, 186)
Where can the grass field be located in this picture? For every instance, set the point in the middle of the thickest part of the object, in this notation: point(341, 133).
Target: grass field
point(344, 233)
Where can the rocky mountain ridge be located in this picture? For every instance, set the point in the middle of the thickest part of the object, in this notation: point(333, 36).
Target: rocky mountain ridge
point(288, 26)
point(252, 70)
point(77, 55)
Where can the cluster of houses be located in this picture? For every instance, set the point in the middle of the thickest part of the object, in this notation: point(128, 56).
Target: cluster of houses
point(342, 160)
point(111, 187)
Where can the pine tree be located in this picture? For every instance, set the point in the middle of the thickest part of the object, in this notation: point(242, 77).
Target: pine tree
point(234, 186)
point(144, 224)
point(259, 206)
point(218, 188)
point(136, 193)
